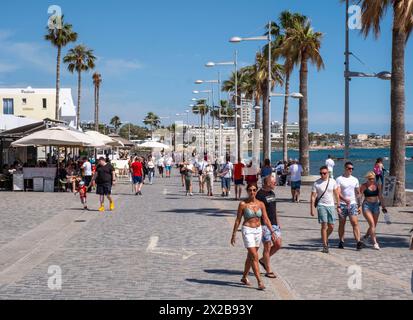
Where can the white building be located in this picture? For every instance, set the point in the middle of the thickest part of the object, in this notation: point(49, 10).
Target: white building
point(246, 113)
point(37, 104)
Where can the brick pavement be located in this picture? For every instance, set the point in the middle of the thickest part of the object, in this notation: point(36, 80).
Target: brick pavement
point(104, 256)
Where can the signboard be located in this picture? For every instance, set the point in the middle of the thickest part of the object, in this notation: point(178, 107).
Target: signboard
point(48, 185)
point(388, 190)
point(18, 182)
point(47, 173)
point(38, 184)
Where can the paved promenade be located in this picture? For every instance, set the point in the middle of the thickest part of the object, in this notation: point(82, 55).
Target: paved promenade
point(168, 246)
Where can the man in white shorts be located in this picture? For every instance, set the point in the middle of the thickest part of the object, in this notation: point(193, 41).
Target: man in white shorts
point(349, 204)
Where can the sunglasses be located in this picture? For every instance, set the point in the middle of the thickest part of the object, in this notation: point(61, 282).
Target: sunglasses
point(350, 168)
point(324, 173)
point(252, 190)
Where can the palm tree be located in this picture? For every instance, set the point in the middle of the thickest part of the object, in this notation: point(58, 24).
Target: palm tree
point(153, 121)
point(372, 14)
point(60, 38)
point(97, 80)
point(115, 121)
point(262, 81)
point(287, 21)
point(79, 59)
point(302, 44)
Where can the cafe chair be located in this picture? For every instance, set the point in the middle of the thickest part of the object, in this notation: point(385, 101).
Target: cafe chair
point(63, 184)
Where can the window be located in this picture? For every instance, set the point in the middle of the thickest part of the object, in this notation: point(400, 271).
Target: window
point(44, 103)
point(8, 107)
point(24, 101)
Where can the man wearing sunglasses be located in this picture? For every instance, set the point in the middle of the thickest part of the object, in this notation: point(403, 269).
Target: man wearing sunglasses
point(350, 204)
point(324, 192)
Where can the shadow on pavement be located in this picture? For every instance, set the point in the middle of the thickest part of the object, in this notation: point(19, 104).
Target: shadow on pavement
point(219, 283)
point(384, 241)
point(224, 271)
point(206, 211)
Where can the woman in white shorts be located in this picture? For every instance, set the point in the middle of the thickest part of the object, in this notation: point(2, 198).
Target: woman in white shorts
point(252, 211)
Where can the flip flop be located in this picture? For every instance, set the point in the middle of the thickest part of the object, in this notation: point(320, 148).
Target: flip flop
point(271, 275)
point(262, 264)
point(261, 287)
point(246, 282)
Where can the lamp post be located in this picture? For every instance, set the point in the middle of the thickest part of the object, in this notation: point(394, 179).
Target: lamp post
point(384, 75)
point(212, 82)
point(186, 114)
point(267, 149)
point(228, 63)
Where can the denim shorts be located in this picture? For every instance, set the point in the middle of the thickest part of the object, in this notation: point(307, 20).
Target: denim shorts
point(326, 214)
point(295, 185)
point(226, 183)
point(137, 180)
point(346, 211)
point(373, 207)
point(266, 234)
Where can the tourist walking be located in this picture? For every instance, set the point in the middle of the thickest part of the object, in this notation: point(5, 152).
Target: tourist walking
point(251, 211)
point(267, 196)
point(226, 175)
point(168, 165)
point(373, 198)
point(189, 170)
point(87, 173)
point(325, 198)
point(105, 179)
point(82, 191)
point(379, 171)
point(350, 204)
point(200, 165)
point(151, 169)
point(137, 175)
point(266, 170)
point(161, 166)
point(296, 171)
point(330, 165)
point(209, 178)
point(238, 179)
point(251, 176)
point(181, 167)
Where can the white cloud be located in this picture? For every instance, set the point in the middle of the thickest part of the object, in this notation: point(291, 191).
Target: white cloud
point(27, 55)
point(7, 67)
point(117, 67)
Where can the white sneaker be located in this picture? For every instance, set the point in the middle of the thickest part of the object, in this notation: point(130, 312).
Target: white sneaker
point(376, 246)
point(191, 194)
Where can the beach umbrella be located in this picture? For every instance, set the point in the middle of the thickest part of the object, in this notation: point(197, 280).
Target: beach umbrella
point(108, 141)
point(154, 145)
point(58, 137)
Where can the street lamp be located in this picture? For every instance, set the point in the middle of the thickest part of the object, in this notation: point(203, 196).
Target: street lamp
point(235, 64)
point(269, 39)
point(187, 126)
point(384, 75)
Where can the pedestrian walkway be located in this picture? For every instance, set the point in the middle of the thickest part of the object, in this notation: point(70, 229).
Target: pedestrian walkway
point(164, 245)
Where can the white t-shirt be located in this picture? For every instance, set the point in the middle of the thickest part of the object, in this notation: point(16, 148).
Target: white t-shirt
point(296, 171)
point(348, 186)
point(151, 165)
point(161, 162)
point(228, 167)
point(88, 168)
point(320, 186)
point(330, 164)
point(168, 162)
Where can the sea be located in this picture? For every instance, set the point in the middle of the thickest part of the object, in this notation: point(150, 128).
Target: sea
point(363, 160)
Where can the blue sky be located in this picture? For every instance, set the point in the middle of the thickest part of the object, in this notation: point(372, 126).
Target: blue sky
point(150, 53)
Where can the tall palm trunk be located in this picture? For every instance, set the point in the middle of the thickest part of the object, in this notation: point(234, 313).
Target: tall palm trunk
point(257, 113)
point(59, 55)
point(285, 119)
point(79, 84)
point(398, 130)
point(265, 122)
point(304, 143)
point(96, 108)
